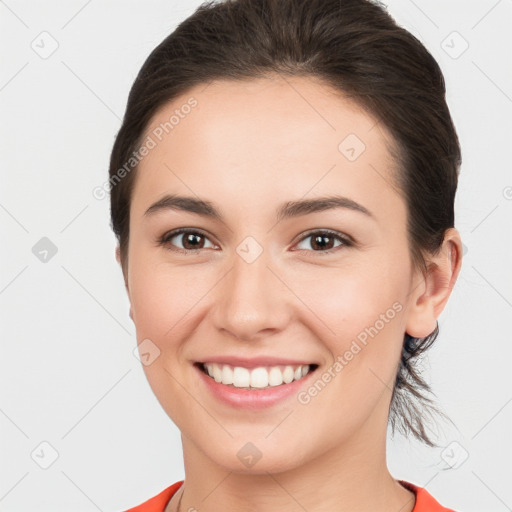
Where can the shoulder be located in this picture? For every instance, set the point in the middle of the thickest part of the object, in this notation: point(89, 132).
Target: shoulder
point(425, 502)
point(159, 502)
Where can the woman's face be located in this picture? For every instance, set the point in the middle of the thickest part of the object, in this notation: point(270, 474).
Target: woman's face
point(262, 279)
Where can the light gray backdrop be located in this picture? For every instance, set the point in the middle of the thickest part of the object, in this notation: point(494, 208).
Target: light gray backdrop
point(80, 427)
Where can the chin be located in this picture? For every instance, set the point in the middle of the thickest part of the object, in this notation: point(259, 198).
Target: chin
point(247, 458)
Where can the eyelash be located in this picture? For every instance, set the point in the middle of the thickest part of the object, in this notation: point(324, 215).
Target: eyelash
point(346, 241)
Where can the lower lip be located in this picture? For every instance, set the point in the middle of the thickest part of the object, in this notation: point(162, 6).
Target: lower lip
point(253, 399)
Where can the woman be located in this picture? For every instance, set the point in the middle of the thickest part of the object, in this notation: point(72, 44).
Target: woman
point(282, 191)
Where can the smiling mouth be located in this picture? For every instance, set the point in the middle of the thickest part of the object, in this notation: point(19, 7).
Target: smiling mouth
point(262, 377)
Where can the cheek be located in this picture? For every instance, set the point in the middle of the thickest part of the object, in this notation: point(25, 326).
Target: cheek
point(362, 318)
point(152, 301)
point(162, 296)
point(162, 301)
point(351, 298)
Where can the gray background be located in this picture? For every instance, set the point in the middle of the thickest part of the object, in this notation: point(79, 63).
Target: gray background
point(80, 427)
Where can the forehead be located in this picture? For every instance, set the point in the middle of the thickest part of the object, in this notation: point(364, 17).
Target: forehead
point(270, 136)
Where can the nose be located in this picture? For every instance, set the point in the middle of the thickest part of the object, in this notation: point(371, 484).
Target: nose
point(252, 302)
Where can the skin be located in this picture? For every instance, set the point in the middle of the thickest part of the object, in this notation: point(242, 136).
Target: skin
point(248, 147)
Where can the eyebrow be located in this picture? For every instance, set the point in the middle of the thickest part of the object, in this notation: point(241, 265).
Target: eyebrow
point(286, 210)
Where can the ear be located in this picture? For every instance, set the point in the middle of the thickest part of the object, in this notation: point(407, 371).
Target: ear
point(118, 258)
point(430, 292)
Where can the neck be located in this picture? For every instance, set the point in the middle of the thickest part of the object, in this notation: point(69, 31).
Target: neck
point(352, 476)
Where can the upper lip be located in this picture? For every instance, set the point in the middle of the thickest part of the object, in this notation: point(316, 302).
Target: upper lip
point(255, 362)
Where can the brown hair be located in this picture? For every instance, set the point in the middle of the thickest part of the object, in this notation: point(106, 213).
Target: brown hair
point(354, 46)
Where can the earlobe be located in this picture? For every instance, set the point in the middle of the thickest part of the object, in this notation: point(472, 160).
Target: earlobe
point(118, 255)
point(432, 293)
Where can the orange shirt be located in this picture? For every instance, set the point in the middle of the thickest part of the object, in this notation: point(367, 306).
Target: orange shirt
point(424, 501)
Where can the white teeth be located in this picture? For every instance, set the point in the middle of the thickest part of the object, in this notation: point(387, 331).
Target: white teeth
point(241, 377)
point(288, 374)
point(260, 377)
point(217, 373)
point(227, 374)
point(275, 376)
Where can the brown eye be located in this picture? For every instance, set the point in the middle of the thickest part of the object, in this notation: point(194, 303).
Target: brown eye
point(190, 240)
point(323, 241)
